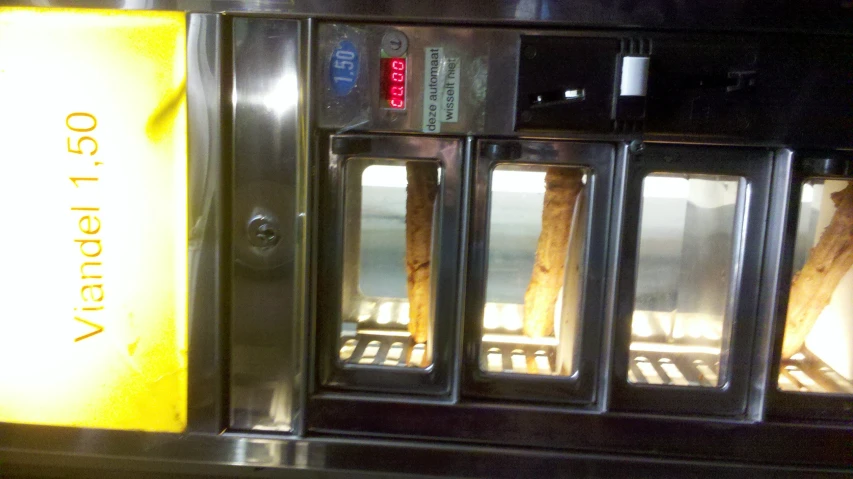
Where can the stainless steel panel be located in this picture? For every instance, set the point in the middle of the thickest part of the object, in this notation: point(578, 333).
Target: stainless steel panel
point(125, 454)
point(488, 65)
point(760, 378)
point(828, 15)
point(268, 200)
point(204, 65)
point(614, 246)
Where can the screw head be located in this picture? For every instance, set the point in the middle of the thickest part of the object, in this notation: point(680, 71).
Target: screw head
point(530, 52)
point(263, 232)
point(637, 147)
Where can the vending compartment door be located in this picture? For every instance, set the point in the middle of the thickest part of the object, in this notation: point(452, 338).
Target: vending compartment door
point(389, 230)
point(508, 354)
point(693, 228)
point(811, 373)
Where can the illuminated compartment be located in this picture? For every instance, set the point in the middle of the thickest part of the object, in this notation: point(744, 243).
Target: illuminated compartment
point(387, 308)
point(94, 323)
point(534, 288)
point(683, 304)
point(817, 351)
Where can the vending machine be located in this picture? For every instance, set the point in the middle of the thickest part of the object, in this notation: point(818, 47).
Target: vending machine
point(512, 239)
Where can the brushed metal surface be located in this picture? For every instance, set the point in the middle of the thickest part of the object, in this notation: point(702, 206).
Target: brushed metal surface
point(204, 112)
point(793, 15)
point(266, 168)
point(127, 453)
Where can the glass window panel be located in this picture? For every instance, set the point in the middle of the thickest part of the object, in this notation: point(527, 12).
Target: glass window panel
point(534, 287)
point(683, 300)
point(391, 208)
point(817, 352)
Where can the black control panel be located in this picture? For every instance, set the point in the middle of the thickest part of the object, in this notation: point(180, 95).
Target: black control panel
point(787, 90)
point(566, 83)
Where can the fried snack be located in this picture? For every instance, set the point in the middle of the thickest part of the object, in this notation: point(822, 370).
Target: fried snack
point(828, 262)
point(420, 198)
point(562, 187)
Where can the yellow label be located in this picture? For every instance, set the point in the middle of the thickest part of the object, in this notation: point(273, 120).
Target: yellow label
point(93, 218)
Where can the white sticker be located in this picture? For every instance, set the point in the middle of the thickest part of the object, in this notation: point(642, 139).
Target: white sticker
point(635, 76)
point(433, 83)
point(450, 93)
point(441, 89)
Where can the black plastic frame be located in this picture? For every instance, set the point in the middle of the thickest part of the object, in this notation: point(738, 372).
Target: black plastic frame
point(599, 159)
point(436, 379)
point(730, 399)
point(802, 167)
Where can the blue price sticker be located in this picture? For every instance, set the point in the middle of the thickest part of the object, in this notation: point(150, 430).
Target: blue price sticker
point(343, 67)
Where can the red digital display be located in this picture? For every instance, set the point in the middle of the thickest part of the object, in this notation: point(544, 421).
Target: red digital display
point(393, 82)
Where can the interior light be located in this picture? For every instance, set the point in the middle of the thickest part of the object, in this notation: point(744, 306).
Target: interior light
point(94, 208)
